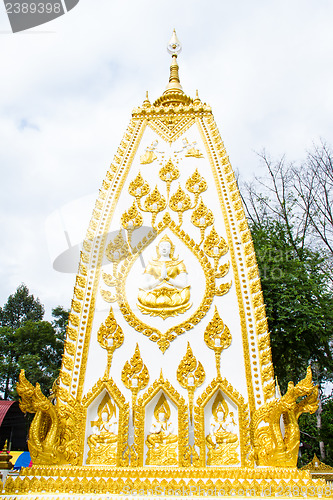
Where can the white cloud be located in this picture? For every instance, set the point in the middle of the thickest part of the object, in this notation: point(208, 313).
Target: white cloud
point(68, 87)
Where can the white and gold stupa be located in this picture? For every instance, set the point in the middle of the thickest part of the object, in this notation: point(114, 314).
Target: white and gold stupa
point(167, 379)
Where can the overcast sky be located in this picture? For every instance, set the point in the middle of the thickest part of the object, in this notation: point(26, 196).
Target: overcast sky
point(68, 88)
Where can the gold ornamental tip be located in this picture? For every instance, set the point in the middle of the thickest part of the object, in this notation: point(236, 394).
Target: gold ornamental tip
point(174, 47)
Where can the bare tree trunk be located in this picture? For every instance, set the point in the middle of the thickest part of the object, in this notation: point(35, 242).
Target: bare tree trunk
point(321, 443)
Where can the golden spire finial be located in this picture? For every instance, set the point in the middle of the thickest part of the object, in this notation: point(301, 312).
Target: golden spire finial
point(174, 47)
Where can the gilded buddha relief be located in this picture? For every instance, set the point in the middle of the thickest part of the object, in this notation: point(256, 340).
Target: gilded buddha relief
point(103, 440)
point(161, 441)
point(222, 441)
point(164, 290)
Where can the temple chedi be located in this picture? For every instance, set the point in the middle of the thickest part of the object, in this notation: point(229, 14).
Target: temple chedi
point(167, 384)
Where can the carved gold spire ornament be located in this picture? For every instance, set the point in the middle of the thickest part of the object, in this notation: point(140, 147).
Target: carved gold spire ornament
point(174, 48)
point(190, 375)
point(135, 376)
point(217, 337)
point(110, 336)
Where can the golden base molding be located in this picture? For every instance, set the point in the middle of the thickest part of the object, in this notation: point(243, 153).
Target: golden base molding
point(167, 481)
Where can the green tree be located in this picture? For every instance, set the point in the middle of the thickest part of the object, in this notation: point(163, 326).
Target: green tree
point(299, 304)
point(290, 214)
point(19, 308)
point(27, 342)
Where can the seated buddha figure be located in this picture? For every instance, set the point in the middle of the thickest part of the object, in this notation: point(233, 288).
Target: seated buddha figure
point(103, 440)
point(161, 442)
point(164, 289)
point(222, 442)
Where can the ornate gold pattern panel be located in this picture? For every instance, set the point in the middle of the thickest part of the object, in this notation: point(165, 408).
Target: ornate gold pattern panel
point(103, 440)
point(161, 441)
point(221, 442)
point(168, 124)
point(108, 433)
point(163, 430)
point(165, 292)
point(269, 446)
point(163, 339)
point(204, 482)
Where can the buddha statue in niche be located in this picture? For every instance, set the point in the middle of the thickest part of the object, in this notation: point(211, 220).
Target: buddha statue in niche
point(103, 440)
point(222, 441)
point(161, 441)
point(164, 290)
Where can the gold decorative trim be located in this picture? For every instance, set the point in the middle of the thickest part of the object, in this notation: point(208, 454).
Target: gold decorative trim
point(217, 337)
point(168, 121)
point(110, 337)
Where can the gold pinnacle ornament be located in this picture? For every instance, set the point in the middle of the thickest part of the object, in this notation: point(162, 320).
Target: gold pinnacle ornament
point(135, 376)
point(110, 336)
point(190, 375)
point(217, 337)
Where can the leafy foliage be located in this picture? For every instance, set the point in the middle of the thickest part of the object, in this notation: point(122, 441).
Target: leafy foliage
point(28, 342)
point(291, 218)
point(299, 305)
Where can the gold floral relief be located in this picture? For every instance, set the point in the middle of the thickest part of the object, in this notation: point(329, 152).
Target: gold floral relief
point(190, 375)
point(217, 337)
point(110, 336)
point(135, 376)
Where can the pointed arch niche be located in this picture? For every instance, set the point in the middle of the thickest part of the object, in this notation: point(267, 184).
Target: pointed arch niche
point(105, 394)
point(221, 392)
point(161, 390)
